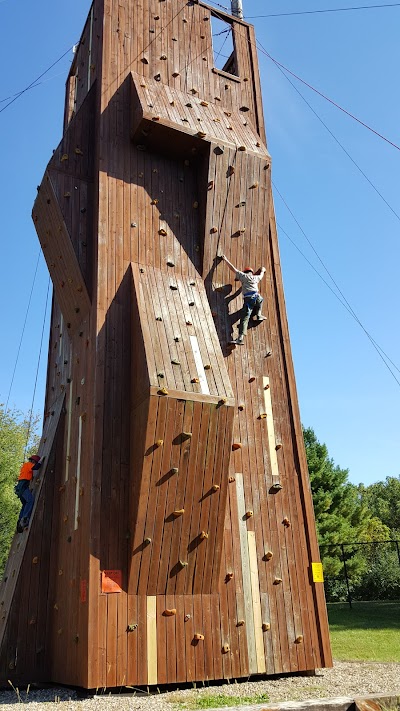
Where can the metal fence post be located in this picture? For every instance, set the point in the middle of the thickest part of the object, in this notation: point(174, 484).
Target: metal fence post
point(346, 576)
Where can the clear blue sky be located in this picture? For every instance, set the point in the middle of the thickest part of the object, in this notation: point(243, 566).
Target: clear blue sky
point(345, 391)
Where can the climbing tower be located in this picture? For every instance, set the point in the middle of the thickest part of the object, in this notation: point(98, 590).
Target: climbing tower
point(173, 537)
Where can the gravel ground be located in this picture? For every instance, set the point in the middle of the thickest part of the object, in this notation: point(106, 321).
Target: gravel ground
point(345, 679)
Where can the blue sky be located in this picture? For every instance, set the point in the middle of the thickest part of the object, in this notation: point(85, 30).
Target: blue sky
point(345, 391)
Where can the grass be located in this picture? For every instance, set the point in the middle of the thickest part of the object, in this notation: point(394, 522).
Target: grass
point(212, 701)
point(370, 631)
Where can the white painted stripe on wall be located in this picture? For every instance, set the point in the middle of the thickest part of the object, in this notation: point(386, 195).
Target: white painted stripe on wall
point(78, 473)
point(152, 671)
point(271, 429)
point(247, 589)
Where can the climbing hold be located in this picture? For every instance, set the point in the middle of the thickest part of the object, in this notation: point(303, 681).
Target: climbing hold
point(215, 487)
point(240, 623)
point(286, 522)
point(189, 105)
point(228, 113)
point(267, 355)
point(60, 572)
point(172, 103)
point(225, 649)
point(67, 195)
point(55, 606)
point(201, 134)
point(173, 287)
point(154, 202)
point(157, 77)
point(231, 170)
point(231, 479)
point(195, 204)
point(266, 626)
point(178, 512)
point(266, 166)
point(241, 407)
point(217, 98)
point(191, 303)
point(210, 185)
point(268, 555)
point(155, 118)
point(194, 91)
point(214, 230)
point(174, 470)
point(132, 627)
point(78, 152)
point(187, 435)
point(223, 401)
point(35, 559)
point(254, 186)
point(277, 581)
point(195, 380)
point(158, 318)
point(203, 536)
point(249, 514)
point(266, 387)
point(276, 487)
point(299, 639)
point(175, 362)
point(262, 416)
point(147, 541)
point(163, 391)
point(175, 74)
point(236, 445)
point(189, 323)
point(229, 576)
point(203, 103)
point(242, 230)
point(241, 148)
point(187, 618)
point(186, 162)
point(278, 446)
point(169, 613)
point(198, 637)
point(252, 378)
point(183, 563)
point(159, 442)
point(163, 56)
point(162, 232)
point(64, 157)
point(207, 366)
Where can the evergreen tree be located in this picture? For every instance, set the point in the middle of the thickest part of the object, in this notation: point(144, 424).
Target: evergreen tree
point(383, 500)
point(341, 516)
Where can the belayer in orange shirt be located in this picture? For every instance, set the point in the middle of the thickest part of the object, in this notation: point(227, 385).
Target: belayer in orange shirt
point(23, 491)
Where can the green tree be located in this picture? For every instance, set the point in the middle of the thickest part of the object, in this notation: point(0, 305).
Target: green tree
point(341, 516)
point(383, 500)
point(15, 429)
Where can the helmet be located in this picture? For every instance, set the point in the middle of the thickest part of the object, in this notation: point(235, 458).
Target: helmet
point(34, 458)
point(248, 269)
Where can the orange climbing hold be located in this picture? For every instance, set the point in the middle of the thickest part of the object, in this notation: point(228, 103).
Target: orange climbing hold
point(198, 637)
point(286, 522)
point(178, 513)
point(236, 445)
point(169, 612)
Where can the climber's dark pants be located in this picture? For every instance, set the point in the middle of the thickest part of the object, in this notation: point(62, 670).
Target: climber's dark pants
point(26, 498)
point(251, 305)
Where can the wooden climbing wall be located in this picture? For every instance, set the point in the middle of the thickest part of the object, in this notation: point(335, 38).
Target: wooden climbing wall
point(177, 532)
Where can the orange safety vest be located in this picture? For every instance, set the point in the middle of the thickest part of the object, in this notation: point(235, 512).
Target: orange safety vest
point(26, 471)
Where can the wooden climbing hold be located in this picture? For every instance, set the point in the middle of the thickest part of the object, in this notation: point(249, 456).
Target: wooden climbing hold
point(223, 401)
point(226, 648)
point(35, 560)
point(277, 581)
point(187, 435)
point(231, 170)
point(229, 576)
point(163, 57)
point(299, 639)
point(147, 541)
point(207, 366)
point(236, 445)
point(169, 612)
point(175, 74)
point(277, 486)
point(132, 627)
point(194, 91)
point(195, 204)
point(266, 626)
point(242, 230)
point(183, 563)
point(173, 287)
point(163, 391)
point(154, 201)
point(189, 323)
point(266, 387)
point(241, 407)
point(191, 303)
point(240, 623)
point(174, 470)
point(162, 232)
point(78, 152)
point(155, 118)
point(198, 637)
point(210, 185)
point(159, 442)
point(203, 103)
point(64, 157)
point(67, 195)
point(278, 446)
point(189, 105)
point(158, 318)
point(157, 77)
point(178, 512)
point(252, 378)
point(215, 487)
point(241, 148)
point(249, 514)
point(262, 416)
point(258, 144)
point(175, 362)
point(213, 230)
point(203, 535)
point(268, 555)
point(254, 186)
point(201, 134)
point(286, 522)
point(195, 380)
point(231, 479)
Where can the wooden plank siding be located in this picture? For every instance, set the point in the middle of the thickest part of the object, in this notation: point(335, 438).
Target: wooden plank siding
point(162, 168)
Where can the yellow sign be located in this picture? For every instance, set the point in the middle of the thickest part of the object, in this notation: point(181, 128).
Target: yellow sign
point(317, 572)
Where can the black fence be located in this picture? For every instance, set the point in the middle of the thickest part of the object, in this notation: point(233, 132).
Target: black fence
point(361, 571)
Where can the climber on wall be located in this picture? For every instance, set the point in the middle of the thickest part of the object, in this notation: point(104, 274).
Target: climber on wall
point(23, 491)
point(252, 300)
